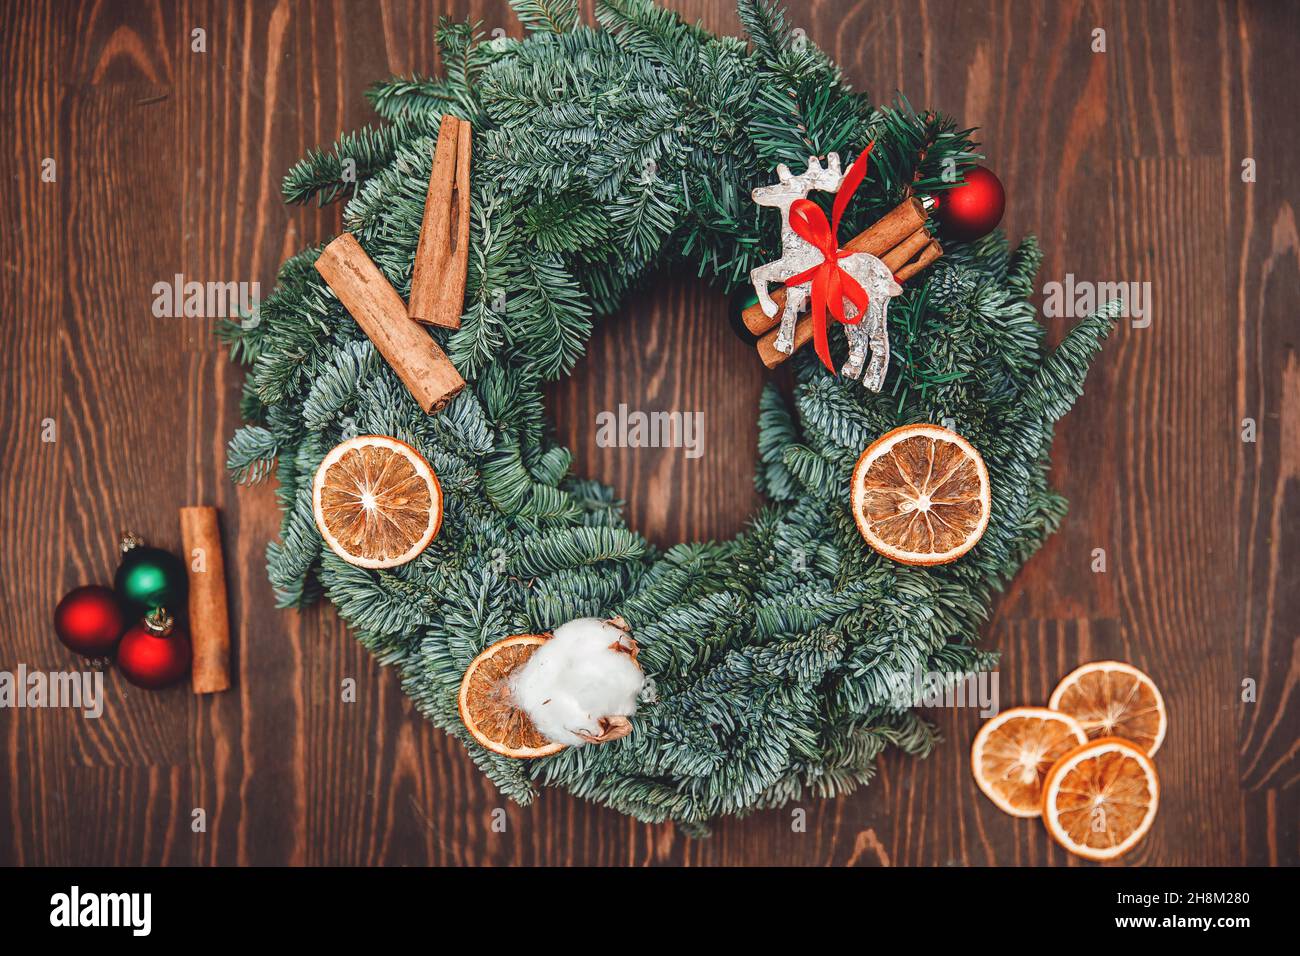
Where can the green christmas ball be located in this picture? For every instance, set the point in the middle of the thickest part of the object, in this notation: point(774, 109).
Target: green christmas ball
point(741, 300)
point(149, 578)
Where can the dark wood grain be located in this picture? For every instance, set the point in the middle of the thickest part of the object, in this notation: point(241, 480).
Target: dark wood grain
point(1127, 164)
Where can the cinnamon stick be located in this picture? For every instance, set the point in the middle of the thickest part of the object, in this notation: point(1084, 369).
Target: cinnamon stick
point(442, 255)
point(902, 253)
point(209, 613)
point(375, 305)
point(896, 226)
point(767, 350)
point(803, 330)
point(928, 255)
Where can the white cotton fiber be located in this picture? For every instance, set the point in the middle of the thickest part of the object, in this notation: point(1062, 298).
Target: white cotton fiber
point(575, 679)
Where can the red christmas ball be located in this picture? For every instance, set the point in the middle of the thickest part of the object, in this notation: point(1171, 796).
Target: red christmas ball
point(155, 652)
point(89, 620)
point(974, 208)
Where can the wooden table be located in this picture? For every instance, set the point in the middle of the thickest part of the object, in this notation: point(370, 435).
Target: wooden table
point(1128, 165)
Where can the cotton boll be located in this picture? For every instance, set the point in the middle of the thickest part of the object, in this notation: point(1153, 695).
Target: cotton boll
point(584, 673)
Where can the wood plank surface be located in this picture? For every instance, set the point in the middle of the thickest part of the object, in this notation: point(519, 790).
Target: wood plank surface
point(1126, 163)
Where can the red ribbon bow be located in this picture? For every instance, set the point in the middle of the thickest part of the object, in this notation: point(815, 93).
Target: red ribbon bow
point(831, 285)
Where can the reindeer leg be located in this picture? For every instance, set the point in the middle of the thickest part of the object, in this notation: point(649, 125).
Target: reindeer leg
point(879, 332)
point(760, 277)
point(855, 334)
point(794, 303)
point(857, 338)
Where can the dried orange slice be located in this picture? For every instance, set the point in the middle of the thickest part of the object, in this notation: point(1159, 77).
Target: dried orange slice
point(1013, 752)
point(376, 501)
point(1100, 799)
point(487, 708)
point(1114, 699)
point(921, 495)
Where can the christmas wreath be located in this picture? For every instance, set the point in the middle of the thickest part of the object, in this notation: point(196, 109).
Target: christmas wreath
point(771, 661)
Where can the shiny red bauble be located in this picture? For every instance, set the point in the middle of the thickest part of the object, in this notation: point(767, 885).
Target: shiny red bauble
point(974, 208)
point(154, 653)
point(89, 620)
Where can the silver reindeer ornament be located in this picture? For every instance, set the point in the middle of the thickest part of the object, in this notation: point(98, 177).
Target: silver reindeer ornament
point(799, 255)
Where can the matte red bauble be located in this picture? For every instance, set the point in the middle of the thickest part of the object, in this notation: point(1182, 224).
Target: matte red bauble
point(974, 208)
point(89, 620)
point(155, 652)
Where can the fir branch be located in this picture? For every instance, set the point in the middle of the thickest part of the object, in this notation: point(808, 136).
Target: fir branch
point(413, 96)
point(547, 16)
point(764, 21)
point(576, 547)
point(1059, 382)
point(463, 57)
point(251, 454)
point(327, 175)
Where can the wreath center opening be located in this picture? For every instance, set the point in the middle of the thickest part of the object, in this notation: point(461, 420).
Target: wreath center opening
point(661, 409)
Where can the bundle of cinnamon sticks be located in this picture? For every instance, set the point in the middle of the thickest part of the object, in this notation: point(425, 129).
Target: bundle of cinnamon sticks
point(899, 239)
point(437, 280)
